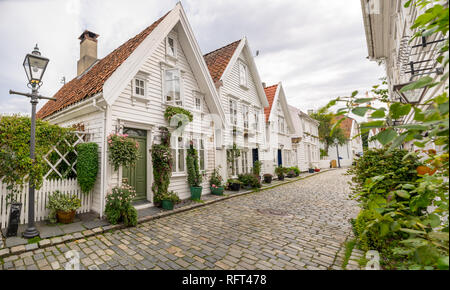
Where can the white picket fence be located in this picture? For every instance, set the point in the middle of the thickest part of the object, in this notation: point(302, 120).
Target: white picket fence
point(66, 186)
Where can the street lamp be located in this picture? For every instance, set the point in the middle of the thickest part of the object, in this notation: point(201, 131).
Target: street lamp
point(410, 96)
point(35, 66)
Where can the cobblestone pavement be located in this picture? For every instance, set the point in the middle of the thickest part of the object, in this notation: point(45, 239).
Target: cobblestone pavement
point(301, 225)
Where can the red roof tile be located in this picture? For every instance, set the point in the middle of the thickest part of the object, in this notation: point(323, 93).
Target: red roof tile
point(218, 59)
point(346, 125)
point(91, 82)
point(270, 94)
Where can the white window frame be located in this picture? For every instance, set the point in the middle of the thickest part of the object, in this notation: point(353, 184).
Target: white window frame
point(176, 157)
point(199, 145)
point(233, 107)
point(199, 98)
point(168, 50)
point(173, 102)
point(281, 125)
point(245, 162)
point(245, 115)
point(243, 81)
point(144, 83)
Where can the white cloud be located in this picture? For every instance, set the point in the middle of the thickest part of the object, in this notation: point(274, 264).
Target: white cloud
point(316, 48)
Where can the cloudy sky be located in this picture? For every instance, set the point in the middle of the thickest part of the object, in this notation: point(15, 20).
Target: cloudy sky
point(316, 48)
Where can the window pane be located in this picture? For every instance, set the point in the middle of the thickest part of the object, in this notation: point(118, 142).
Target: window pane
point(172, 85)
point(202, 159)
point(181, 159)
point(174, 160)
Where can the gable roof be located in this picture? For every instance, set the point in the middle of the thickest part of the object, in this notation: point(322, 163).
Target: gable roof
point(91, 81)
point(221, 61)
point(270, 94)
point(295, 114)
point(346, 125)
point(217, 60)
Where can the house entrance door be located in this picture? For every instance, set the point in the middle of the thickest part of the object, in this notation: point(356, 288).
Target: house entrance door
point(136, 176)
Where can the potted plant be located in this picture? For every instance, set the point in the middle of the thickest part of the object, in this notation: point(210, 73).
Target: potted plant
point(257, 169)
point(118, 207)
point(268, 178)
point(194, 176)
point(169, 199)
point(249, 181)
point(63, 207)
point(291, 173)
point(234, 184)
point(311, 168)
point(279, 171)
point(296, 171)
point(216, 182)
point(316, 169)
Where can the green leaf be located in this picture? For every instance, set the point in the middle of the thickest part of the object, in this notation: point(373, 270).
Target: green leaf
point(442, 236)
point(397, 110)
point(420, 83)
point(373, 124)
point(360, 111)
point(442, 263)
point(397, 142)
point(412, 127)
point(363, 100)
point(386, 136)
point(354, 93)
point(378, 114)
point(410, 231)
point(384, 229)
point(403, 194)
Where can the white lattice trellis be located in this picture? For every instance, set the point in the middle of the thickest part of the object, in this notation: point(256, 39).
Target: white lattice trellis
point(80, 137)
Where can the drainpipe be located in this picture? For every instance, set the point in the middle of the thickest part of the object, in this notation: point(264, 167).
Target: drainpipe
point(103, 158)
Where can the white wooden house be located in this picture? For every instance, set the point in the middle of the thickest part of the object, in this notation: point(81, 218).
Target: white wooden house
point(305, 140)
point(279, 128)
point(128, 91)
point(242, 96)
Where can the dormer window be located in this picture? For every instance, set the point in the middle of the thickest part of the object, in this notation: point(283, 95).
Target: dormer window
point(242, 74)
point(171, 47)
point(139, 92)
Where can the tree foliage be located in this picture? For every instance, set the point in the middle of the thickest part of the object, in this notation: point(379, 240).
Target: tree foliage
point(326, 122)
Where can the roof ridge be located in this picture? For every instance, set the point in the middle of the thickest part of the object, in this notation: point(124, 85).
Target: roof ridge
point(229, 44)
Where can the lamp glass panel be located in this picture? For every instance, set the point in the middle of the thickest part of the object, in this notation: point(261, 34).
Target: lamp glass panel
point(412, 96)
point(26, 66)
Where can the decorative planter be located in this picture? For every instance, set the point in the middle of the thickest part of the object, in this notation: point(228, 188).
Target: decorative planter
point(311, 170)
point(235, 186)
point(280, 177)
point(167, 204)
point(65, 217)
point(291, 175)
point(196, 193)
point(268, 179)
point(316, 170)
point(217, 190)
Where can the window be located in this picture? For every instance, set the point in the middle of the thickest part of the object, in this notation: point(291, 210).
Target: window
point(281, 124)
point(178, 153)
point(198, 103)
point(172, 87)
point(139, 87)
point(201, 155)
point(256, 121)
point(244, 162)
point(245, 115)
point(233, 112)
point(171, 48)
point(242, 74)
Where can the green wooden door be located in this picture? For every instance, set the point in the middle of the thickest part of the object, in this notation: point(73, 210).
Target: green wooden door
point(136, 176)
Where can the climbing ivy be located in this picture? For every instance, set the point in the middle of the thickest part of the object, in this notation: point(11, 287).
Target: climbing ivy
point(87, 165)
point(162, 166)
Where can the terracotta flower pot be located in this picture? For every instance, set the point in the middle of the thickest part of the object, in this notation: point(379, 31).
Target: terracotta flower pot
point(65, 217)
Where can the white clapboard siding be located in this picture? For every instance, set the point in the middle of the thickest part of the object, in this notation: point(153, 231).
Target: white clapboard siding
point(66, 186)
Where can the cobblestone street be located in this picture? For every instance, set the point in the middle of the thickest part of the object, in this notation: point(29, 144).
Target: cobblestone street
point(301, 225)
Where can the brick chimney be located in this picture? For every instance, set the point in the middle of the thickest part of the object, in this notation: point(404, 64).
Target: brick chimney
point(88, 51)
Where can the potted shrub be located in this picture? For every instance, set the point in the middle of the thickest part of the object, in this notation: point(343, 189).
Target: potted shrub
point(118, 206)
point(257, 169)
point(216, 182)
point(296, 171)
point(268, 178)
point(279, 171)
point(234, 184)
point(291, 173)
point(169, 199)
point(194, 176)
point(63, 207)
point(249, 181)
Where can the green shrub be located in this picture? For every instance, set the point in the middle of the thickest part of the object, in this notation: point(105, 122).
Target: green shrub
point(257, 168)
point(118, 206)
point(296, 170)
point(170, 196)
point(367, 232)
point(249, 180)
point(280, 171)
point(194, 176)
point(162, 165)
point(181, 115)
point(87, 165)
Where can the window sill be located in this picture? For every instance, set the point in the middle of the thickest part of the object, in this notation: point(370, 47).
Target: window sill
point(175, 175)
point(243, 87)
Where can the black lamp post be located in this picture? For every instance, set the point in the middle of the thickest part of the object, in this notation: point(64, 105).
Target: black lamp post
point(35, 66)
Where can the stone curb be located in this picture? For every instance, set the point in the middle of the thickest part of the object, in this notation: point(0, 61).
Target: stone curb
point(5, 252)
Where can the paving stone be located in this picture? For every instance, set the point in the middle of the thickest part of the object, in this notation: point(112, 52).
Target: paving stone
point(49, 231)
point(95, 224)
point(72, 228)
point(45, 242)
point(15, 241)
point(30, 247)
point(4, 252)
point(17, 249)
